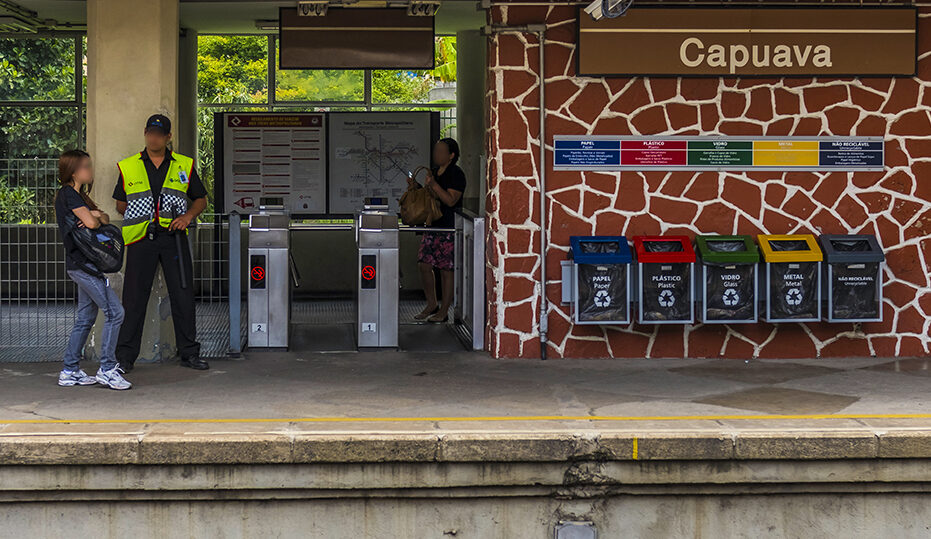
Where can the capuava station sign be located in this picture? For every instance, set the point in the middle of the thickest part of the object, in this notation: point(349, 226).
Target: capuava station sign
point(809, 41)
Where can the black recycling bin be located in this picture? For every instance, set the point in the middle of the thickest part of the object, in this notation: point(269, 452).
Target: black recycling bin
point(728, 279)
point(666, 293)
point(598, 279)
point(792, 281)
point(853, 277)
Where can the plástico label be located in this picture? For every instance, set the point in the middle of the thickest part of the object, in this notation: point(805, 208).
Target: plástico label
point(666, 294)
point(729, 292)
point(793, 290)
point(602, 292)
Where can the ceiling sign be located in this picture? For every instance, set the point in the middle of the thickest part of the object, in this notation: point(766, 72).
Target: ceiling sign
point(717, 153)
point(804, 41)
point(350, 38)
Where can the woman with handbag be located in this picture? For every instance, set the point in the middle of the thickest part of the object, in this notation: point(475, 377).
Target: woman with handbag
point(75, 209)
point(437, 249)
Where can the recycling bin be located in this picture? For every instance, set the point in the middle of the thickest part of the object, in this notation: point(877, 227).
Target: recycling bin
point(596, 279)
point(853, 277)
point(792, 282)
point(729, 271)
point(665, 270)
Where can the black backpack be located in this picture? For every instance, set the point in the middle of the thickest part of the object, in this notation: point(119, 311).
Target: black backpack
point(103, 246)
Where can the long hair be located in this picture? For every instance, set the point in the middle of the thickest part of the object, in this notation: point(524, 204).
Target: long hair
point(453, 147)
point(68, 164)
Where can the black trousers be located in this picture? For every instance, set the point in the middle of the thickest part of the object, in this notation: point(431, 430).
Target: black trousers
point(142, 259)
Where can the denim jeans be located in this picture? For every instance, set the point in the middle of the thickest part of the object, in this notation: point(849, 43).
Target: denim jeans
point(93, 293)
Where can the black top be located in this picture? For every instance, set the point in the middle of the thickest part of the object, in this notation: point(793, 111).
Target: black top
point(67, 200)
point(452, 178)
point(195, 189)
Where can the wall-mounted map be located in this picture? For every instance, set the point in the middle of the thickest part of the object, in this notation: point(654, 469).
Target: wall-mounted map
point(372, 152)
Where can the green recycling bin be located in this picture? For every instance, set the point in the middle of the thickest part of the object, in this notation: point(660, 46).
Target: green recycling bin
point(728, 279)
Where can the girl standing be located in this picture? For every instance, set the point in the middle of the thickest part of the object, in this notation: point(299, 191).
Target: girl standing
point(73, 199)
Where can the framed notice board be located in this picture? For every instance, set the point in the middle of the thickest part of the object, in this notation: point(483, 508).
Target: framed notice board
point(318, 169)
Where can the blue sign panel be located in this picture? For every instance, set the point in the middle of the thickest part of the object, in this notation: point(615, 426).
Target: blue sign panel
point(587, 153)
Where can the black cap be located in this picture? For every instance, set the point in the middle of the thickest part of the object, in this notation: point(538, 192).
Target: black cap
point(158, 121)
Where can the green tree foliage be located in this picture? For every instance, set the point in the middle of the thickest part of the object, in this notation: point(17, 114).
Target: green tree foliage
point(17, 204)
point(232, 69)
point(37, 69)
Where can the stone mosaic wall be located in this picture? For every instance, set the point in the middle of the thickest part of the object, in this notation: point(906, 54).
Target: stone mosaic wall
point(894, 205)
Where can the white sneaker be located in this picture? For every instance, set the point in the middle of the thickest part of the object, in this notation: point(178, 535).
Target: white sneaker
point(75, 378)
point(113, 379)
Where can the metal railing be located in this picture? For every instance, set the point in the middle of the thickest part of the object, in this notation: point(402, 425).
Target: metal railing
point(37, 298)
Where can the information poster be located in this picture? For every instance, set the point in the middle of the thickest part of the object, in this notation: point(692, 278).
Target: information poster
point(718, 153)
point(371, 154)
point(274, 155)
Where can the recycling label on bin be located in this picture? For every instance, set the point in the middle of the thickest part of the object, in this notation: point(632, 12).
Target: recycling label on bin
point(729, 292)
point(854, 291)
point(666, 292)
point(602, 293)
point(793, 290)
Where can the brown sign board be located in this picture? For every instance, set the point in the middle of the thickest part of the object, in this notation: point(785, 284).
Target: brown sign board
point(805, 41)
point(355, 38)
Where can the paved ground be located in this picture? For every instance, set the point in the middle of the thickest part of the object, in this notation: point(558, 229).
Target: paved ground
point(374, 392)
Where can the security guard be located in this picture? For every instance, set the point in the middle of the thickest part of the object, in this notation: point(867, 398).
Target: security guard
point(159, 195)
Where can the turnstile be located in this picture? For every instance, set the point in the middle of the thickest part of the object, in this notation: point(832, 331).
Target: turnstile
point(269, 287)
point(377, 299)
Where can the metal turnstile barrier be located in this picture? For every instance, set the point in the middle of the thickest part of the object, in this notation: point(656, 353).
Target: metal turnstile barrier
point(377, 296)
point(469, 306)
point(269, 286)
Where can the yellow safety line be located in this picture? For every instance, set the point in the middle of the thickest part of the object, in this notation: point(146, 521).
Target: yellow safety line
point(634, 453)
point(769, 417)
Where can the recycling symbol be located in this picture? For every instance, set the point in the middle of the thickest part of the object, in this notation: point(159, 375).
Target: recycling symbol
point(730, 297)
point(666, 299)
point(602, 299)
point(794, 296)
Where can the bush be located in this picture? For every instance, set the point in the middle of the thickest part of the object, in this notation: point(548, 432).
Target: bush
point(17, 205)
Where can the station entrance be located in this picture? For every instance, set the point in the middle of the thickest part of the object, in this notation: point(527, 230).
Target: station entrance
point(325, 265)
point(318, 259)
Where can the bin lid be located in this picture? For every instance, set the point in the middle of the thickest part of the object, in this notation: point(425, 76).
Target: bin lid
point(851, 248)
point(789, 248)
point(664, 249)
point(727, 249)
point(599, 250)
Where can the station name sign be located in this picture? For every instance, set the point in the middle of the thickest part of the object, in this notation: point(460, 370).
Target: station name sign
point(610, 153)
point(805, 41)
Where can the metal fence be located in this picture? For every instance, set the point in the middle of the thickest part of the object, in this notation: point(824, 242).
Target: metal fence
point(37, 299)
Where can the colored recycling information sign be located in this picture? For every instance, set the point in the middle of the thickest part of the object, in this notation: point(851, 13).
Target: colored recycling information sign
point(599, 152)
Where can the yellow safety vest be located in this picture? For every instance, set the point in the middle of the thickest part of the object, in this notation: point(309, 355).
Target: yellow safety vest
point(141, 207)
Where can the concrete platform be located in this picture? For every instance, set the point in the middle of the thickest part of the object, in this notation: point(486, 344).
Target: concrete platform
point(376, 445)
point(380, 406)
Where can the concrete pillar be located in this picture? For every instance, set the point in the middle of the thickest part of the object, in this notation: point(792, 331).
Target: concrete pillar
point(132, 73)
point(470, 114)
point(185, 137)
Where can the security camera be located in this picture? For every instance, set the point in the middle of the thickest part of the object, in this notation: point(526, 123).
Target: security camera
point(608, 9)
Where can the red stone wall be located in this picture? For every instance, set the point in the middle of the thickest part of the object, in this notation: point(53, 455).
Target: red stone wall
point(894, 205)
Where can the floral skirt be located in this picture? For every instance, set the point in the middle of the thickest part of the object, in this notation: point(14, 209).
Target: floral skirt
point(438, 250)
